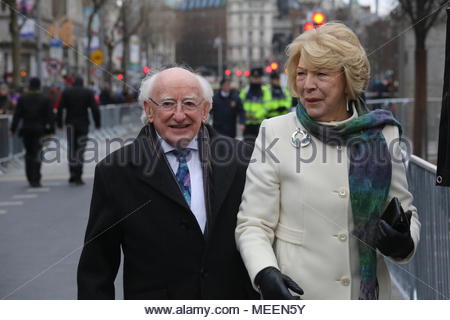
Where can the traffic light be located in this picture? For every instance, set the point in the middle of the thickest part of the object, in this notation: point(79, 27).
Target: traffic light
point(318, 18)
point(146, 69)
point(247, 73)
point(268, 69)
point(120, 76)
point(238, 73)
point(228, 72)
point(308, 26)
point(274, 65)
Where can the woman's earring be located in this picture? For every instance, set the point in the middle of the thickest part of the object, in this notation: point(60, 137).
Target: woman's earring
point(348, 108)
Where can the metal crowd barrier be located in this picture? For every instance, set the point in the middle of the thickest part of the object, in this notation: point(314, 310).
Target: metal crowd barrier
point(403, 110)
point(10, 147)
point(427, 276)
point(115, 118)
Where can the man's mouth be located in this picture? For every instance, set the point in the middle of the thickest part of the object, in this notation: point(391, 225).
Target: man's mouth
point(179, 126)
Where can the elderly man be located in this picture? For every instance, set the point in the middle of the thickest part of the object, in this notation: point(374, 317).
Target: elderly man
point(169, 202)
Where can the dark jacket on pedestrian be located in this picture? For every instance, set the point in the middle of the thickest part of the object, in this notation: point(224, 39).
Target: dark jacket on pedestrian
point(33, 115)
point(76, 100)
point(226, 110)
point(138, 210)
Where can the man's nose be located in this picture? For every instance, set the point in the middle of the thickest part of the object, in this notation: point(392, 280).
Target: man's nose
point(179, 113)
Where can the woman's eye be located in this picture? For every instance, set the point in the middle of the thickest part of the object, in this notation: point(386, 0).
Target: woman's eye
point(300, 73)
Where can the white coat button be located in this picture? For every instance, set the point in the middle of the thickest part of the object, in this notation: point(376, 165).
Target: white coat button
point(342, 237)
point(339, 147)
point(343, 192)
point(345, 281)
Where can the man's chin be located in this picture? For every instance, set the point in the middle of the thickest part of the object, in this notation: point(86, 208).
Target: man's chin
point(180, 142)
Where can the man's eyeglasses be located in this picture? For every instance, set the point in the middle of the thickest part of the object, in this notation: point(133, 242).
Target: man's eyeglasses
point(171, 105)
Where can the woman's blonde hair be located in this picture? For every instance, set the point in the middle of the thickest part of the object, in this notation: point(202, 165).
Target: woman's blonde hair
point(333, 47)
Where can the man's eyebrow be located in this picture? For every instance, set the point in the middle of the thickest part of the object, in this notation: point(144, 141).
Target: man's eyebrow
point(168, 98)
point(183, 98)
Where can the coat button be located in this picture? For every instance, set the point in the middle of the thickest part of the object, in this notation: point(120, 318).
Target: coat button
point(339, 147)
point(343, 192)
point(342, 237)
point(345, 281)
point(184, 224)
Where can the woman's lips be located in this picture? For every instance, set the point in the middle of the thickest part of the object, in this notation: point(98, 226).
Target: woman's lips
point(312, 100)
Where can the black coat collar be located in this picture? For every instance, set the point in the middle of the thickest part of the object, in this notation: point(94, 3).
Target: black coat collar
point(152, 168)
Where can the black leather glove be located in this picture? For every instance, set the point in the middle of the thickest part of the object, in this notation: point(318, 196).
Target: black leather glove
point(274, 285)
point(392, 242)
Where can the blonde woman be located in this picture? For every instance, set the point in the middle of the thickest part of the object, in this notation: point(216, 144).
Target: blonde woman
point(311, 220)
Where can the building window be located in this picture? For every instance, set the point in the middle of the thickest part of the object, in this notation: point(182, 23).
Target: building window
point(59, 8)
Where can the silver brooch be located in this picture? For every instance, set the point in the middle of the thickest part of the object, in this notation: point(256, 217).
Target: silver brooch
point(303, 140)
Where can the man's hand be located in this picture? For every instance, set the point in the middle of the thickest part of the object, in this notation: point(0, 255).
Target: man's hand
point(275, 286)
point(394, 243)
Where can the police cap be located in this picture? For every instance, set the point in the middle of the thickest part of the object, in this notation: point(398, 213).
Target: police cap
point(256, 72)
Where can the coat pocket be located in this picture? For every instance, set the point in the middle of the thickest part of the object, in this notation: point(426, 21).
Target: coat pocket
point(290, 235)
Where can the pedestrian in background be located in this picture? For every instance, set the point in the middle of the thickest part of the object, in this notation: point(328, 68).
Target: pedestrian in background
point(76, 102)
point(280, 98)
point(6, 104)
point(227, 110)
point(168, 202)
point(255, 98)
point(34, 116)
point(314, 214)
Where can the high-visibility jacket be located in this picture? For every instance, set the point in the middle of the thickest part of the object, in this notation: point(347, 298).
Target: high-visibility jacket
point(255, 107)
point(280, 101)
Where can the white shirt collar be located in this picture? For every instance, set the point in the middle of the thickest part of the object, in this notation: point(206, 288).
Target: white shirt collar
point(336, 123)
point(193, 145)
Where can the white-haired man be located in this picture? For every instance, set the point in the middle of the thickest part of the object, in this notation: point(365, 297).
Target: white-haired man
point(169, 201)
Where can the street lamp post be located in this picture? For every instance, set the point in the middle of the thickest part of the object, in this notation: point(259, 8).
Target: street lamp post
point(38, 40)
point(219, 45)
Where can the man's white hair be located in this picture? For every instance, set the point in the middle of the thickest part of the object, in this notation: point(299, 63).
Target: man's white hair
point(148, 83)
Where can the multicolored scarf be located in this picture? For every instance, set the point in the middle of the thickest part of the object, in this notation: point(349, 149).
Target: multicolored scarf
point(369, 177)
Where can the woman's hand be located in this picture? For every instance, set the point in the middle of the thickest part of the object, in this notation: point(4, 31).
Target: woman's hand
point(274, 285)
point(394, 243)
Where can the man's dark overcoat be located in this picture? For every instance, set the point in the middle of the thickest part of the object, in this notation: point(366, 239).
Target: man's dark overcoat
point(137, 207)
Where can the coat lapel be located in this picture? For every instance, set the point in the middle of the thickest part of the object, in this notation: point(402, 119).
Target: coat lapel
point(222, 177)
point(152, 167)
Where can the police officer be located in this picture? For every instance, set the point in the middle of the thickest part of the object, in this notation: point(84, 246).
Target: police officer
point(281, 100)
point(227, 109)
point(255, 98)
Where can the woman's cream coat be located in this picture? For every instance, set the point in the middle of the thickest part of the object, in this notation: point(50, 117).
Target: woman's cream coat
point(296, 213)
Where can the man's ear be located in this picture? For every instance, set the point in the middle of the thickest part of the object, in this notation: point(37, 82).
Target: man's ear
point(148, 111)
point(205, 111)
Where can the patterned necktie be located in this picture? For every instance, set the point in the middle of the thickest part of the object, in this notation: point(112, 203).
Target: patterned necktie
point(182, 175)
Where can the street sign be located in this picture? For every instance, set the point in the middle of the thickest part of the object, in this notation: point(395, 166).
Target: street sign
point(97, 57)
point(54, 66)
